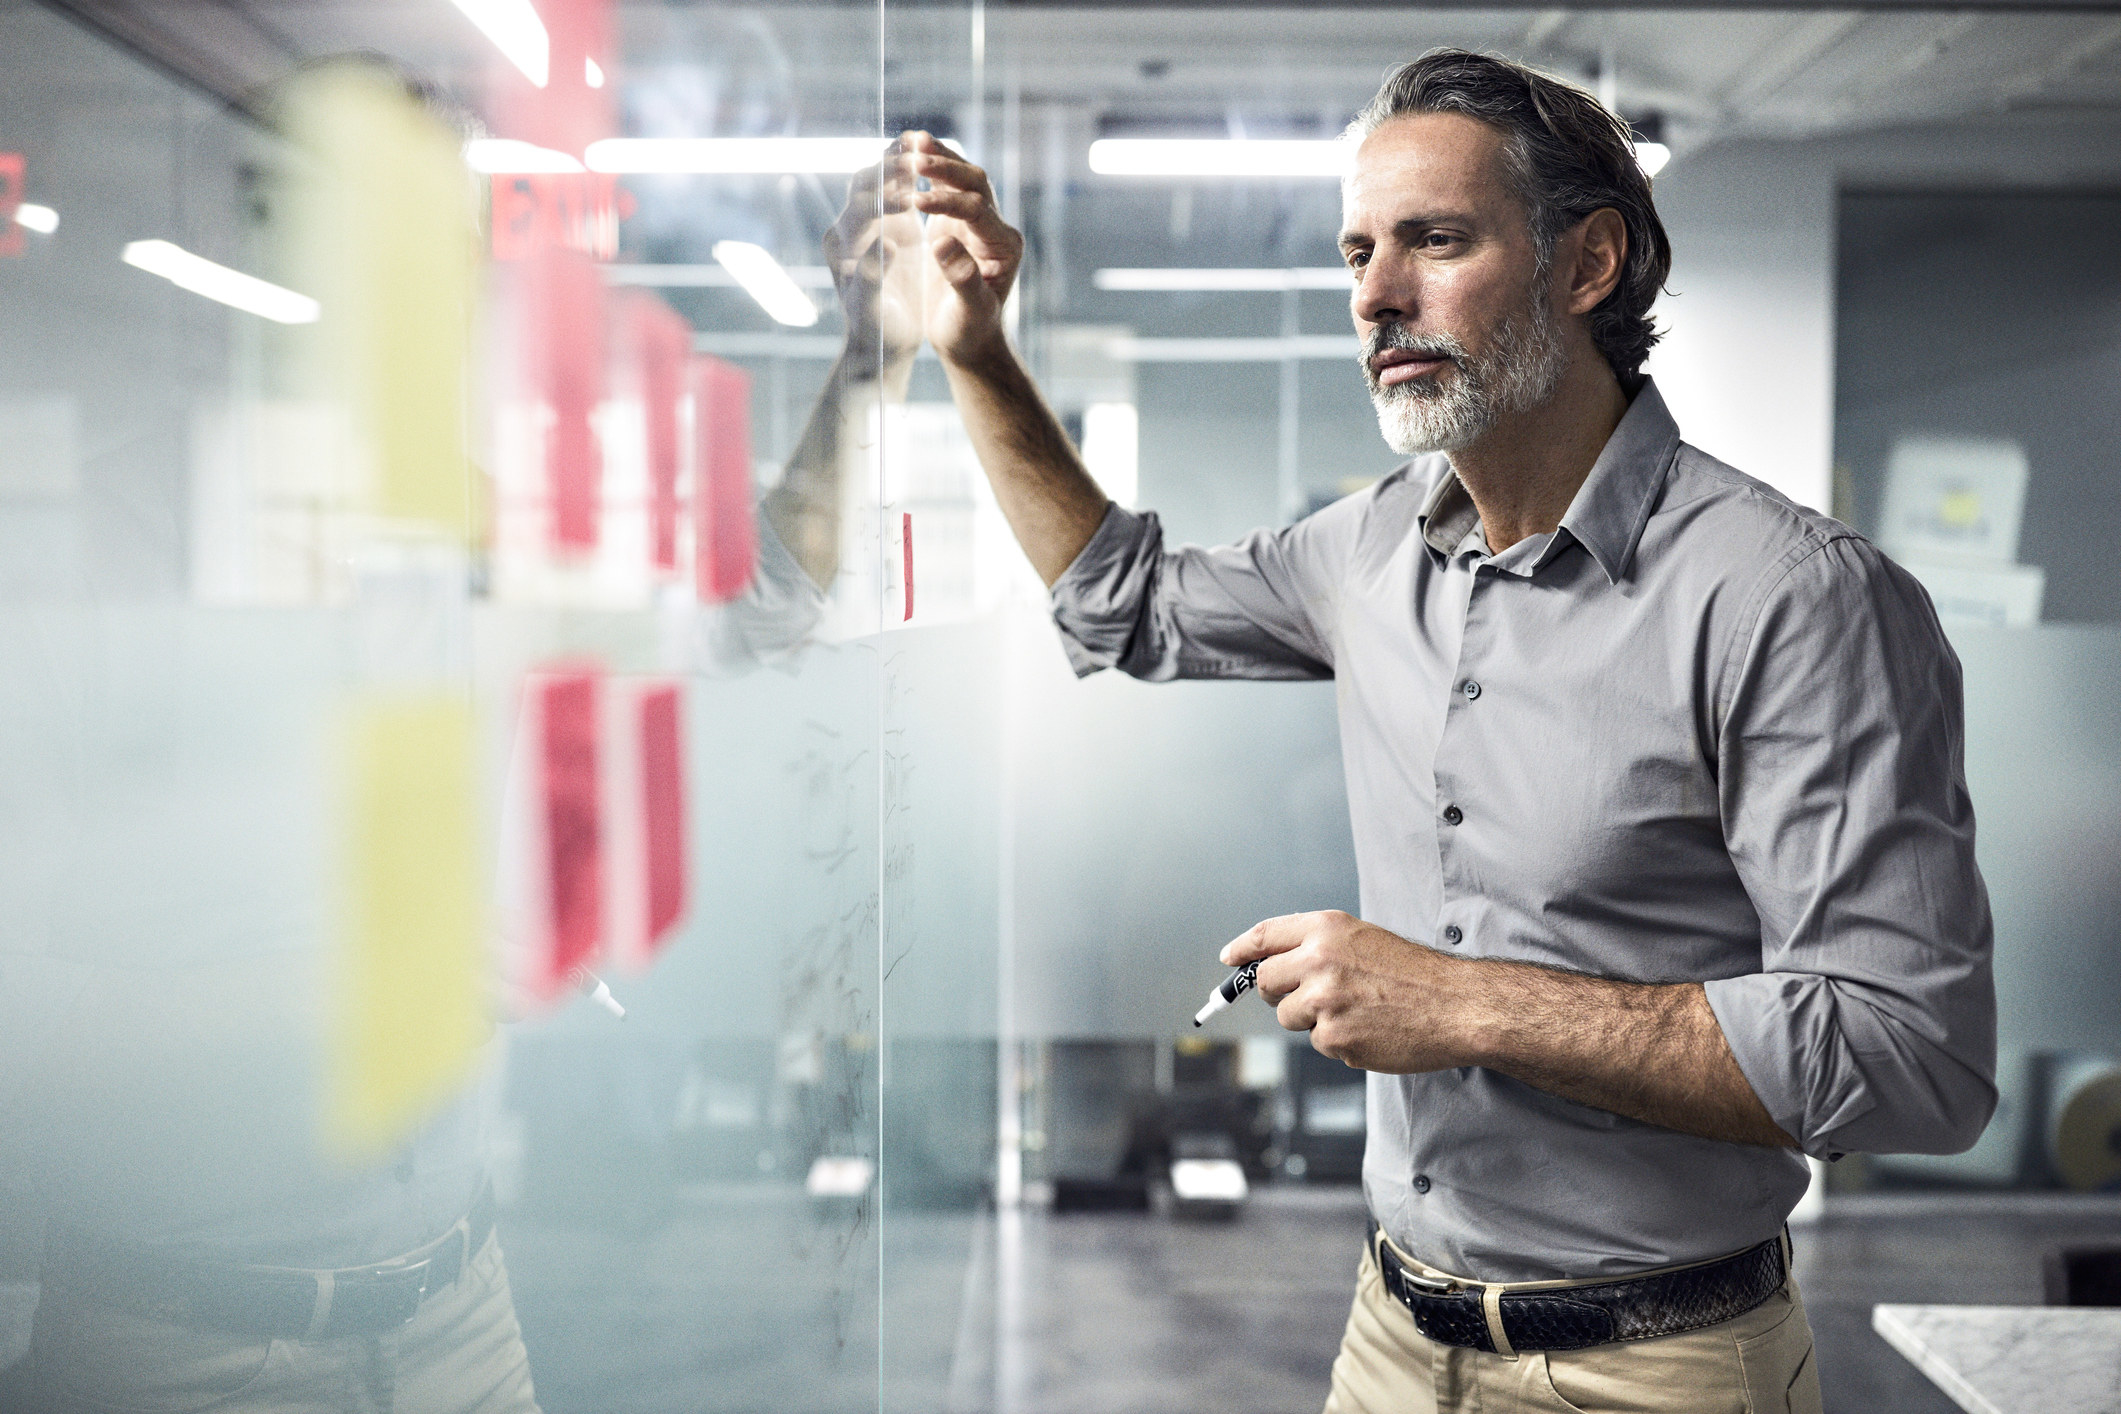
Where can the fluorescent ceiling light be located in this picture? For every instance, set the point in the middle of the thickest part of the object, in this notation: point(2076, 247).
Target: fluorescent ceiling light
point(809, 277)
point(735, 155)
point(764, 280)
point(1315, 277)
point(1652, 156)
point(591, 73)
point(217, 282)
point(512, 155)
point(32, 217)
point(516, 31)
point(1220, 157)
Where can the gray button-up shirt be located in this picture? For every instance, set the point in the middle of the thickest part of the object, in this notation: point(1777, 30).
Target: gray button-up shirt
point(1698, 733)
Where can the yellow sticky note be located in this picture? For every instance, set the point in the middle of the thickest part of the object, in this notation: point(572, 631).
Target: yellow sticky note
point(409, 999)
point(387, 232)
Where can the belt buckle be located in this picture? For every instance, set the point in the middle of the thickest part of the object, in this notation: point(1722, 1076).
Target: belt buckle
point(1428, 1286)
point(379, 1302)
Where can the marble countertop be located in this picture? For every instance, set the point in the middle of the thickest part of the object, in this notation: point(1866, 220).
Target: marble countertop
point(2013, 1359)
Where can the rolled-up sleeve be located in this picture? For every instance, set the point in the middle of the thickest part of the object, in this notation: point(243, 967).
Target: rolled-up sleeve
point(776, 614)
point(1261, 608)
point(1871, 1026)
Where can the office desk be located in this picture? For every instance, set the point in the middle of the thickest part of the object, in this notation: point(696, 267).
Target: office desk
point(2013, 1359)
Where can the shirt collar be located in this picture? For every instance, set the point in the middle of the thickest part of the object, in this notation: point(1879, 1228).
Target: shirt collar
point(1610, 508)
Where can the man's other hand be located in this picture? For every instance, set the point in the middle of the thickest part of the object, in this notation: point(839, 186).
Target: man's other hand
point(1368, 997)
point(1650, 1051)
point(874, 253)
point(974, 252)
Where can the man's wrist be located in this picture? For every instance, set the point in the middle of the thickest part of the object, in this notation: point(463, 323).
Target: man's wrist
point(1475, 1027)
point(989, 360)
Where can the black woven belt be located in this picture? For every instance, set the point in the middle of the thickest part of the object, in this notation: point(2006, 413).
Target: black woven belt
point(287, 1303)
point(1577, 1317)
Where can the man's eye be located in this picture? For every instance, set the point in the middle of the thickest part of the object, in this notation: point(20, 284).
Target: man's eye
point(1357, 259)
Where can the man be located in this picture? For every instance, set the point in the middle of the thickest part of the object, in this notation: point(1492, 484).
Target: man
point(1666, 853)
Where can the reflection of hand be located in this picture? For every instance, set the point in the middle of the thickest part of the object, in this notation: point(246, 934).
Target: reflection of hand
point(873, 251)
point(974, 251)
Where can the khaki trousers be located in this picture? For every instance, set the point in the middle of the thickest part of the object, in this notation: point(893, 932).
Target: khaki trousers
point(462, 1354)
point(1757, 1363)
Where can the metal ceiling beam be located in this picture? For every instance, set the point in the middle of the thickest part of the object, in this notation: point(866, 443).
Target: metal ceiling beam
point(218, 48)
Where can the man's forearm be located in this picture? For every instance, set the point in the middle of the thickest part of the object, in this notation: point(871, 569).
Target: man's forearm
point(1039, 481)
point(1653, 1053)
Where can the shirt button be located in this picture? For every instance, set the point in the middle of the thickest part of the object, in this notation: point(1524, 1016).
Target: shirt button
point(1452, 814)
point(1421, 1183)
point(1472, 689)
point(1454, 935)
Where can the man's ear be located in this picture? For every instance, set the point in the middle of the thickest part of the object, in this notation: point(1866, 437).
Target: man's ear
point(1594, 253)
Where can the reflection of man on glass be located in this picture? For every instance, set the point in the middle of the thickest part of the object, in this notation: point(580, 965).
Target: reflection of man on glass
point(1666, 853)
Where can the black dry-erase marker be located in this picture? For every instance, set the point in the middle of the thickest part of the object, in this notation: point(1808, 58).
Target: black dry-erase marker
point(1234, 986)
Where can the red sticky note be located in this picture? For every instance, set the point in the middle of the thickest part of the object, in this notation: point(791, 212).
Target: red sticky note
point(570, 815)
point(566, 297)
point(10, 202)
point(566, 113)
point(725, 537)
point(644, 801)
point(661, 715)
point(906, 558)
point(662, 342)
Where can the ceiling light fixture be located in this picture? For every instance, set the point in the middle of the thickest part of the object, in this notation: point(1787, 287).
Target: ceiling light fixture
point(217, 282)
point(499, 155)
point(516, 30)
point(32, 217)
point(1220, 157)
point(1651, 157)
point(762, 277)
point(1314, 277)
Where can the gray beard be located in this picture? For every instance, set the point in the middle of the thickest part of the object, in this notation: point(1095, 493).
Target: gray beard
point(1433, 415)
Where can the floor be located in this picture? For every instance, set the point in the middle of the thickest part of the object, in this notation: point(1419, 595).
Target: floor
point(1134, 1314)
point(755, 1300)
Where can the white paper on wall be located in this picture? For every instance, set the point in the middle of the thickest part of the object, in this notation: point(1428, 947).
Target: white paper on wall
point(1954, 499)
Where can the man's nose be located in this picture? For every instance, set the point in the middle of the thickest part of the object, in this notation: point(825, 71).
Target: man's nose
point(1383, 294)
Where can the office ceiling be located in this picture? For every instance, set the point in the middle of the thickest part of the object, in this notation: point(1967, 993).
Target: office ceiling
point(1708, 72)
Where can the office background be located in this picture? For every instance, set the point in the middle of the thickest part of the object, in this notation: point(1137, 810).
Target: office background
point(891, 1120)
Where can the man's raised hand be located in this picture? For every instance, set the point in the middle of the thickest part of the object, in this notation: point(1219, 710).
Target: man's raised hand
point(974, 254)
point(874, 253)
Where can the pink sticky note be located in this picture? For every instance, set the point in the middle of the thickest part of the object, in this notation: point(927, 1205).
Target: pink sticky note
point(566, 292)
point(570, 816)
point(725, 537)
point(10, 202)
point(662, 341)
point(906, 558)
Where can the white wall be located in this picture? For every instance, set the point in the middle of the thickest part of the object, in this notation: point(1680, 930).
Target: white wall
point(1748, 362)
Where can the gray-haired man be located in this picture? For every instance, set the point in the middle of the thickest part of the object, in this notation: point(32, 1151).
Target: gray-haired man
point(1667, 858)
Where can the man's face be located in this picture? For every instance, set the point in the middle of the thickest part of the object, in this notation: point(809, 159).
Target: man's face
point(1457, 328)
